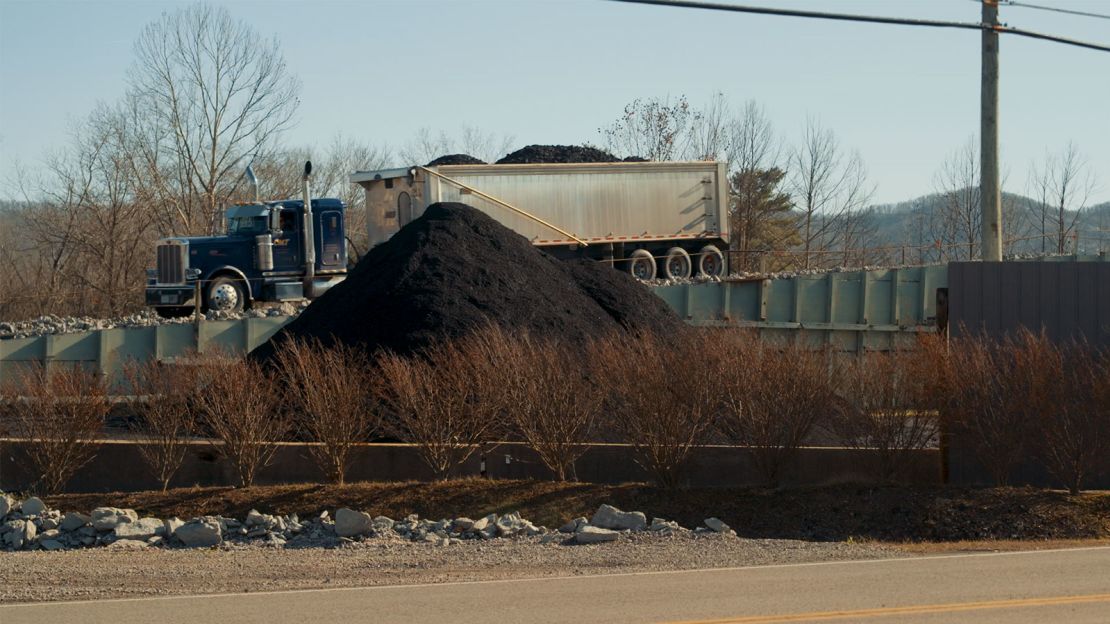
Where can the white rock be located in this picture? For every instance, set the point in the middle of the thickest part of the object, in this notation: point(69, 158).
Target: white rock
point(73, 521)
point(142, 529)
point(482, 523)
point(573, 525)
point(171, 525)
point(106, 518)
point(33, 506)
point(609, 517)
point(717, 525)
point(594, 535)
point(381, 523)
point(462, 525)
point(5, 505)
point(128, 544)
point(200, 532)
point(349, 523)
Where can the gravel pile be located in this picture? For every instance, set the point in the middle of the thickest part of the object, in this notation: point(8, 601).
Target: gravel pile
point(455, 270)
point(456, 159)
point(557, 154)
point(30, 525)
point(46, 325)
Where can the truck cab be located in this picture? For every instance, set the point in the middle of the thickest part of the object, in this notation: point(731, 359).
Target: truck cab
point(271, 252)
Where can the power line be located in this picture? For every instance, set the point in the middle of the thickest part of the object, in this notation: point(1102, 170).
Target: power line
point(874, 19)
point(1054, 9)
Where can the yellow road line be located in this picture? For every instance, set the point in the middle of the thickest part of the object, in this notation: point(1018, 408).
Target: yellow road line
point(824, 616)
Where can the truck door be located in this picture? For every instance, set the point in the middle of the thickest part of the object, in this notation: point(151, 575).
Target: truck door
point(287, 244)
point(331, 239)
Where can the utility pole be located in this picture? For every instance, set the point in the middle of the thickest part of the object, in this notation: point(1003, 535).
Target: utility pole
point(990, 193)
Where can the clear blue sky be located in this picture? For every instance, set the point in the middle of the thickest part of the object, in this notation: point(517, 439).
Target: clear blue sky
point(554, 71)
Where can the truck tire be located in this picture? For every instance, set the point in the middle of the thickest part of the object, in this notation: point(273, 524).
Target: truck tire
point(677, 264)
point(641, 264)
point(173, 312)
point(711, 262)
point(225, 294)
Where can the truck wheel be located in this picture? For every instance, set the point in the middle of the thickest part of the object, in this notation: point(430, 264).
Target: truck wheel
point(676, 264)
point(711, 262)
point(641, 265)
point(225, 294)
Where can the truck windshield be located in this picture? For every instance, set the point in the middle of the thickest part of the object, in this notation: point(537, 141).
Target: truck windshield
point(246, 225)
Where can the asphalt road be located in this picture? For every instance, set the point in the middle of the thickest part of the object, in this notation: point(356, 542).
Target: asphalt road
point(1044, 586)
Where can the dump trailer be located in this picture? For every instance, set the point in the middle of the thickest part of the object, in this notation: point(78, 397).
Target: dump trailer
point(665, 219)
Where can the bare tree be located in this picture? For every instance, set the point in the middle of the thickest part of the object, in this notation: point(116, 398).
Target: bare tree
point(957, 225)
point(772, 399)
point(656, 129)
point(1061, 187)
point(427, 145)
point(711, 131)
point(329, 392)
point(58, 413)
point(239, 402)
point(212, 93)
point(166, 419)
point(827, 186)
point(662, 418)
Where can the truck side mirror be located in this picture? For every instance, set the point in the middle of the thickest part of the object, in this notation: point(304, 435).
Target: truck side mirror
point(275, 220)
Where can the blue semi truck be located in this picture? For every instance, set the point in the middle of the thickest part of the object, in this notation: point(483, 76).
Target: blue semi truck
point(273, 251)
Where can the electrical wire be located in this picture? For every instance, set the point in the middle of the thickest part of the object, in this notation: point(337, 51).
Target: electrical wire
point(1042, 7)
point(715, 6)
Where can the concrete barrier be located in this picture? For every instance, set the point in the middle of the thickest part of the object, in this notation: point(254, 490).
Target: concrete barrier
point(118, 466)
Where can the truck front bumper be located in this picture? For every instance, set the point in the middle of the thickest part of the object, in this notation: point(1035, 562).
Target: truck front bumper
point(158, 296)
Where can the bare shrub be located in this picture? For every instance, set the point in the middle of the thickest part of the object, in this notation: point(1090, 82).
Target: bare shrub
point(333, 406)
point(549, 398)
point(772, 399)
point(885, 409)
point(444, 400)
point(166, 420)
point(1074, 428)
point(997, 392)
point(661, 396)
point(239, 402)
point(58, 413)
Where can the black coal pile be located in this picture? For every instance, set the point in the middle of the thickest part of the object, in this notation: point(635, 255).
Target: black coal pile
point(557, 154)
point(455, 270)
point(456, 159)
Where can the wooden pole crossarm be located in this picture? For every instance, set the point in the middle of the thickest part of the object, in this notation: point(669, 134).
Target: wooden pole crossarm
point(505, 205)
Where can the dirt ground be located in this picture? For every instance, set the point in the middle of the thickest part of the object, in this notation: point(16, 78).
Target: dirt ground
point(831, 513)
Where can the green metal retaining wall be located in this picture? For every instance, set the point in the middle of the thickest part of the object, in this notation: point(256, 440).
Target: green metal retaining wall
point(851, 311)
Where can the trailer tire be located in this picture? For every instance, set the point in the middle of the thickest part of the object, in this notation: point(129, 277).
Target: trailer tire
point(711, 262)
point(677, 264)
point(641, 264)
point(225, 294)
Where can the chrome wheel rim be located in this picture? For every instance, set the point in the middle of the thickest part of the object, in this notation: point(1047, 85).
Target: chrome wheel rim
point(224, 297)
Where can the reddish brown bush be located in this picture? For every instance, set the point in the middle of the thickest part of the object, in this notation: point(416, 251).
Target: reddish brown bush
point(772, 399)
point(328, 392)
point(445, 400)
point(58, 413)
point(165, 418)
point(660, 396)
point(885, 408)
point(239, 403)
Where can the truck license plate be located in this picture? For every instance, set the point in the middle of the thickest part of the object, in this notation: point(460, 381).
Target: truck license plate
point(169, 298)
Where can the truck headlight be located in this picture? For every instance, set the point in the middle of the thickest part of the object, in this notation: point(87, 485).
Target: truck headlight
point(192, 273)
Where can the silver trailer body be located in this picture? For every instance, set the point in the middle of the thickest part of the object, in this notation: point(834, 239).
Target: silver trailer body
point(608, 209)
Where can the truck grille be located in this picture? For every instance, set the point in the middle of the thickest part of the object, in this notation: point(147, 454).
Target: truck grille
point(172, 261)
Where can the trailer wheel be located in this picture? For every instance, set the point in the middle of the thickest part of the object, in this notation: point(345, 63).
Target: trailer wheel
point(641, 264)
point(225, 294)
point(711, 262)
point(677, 264)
